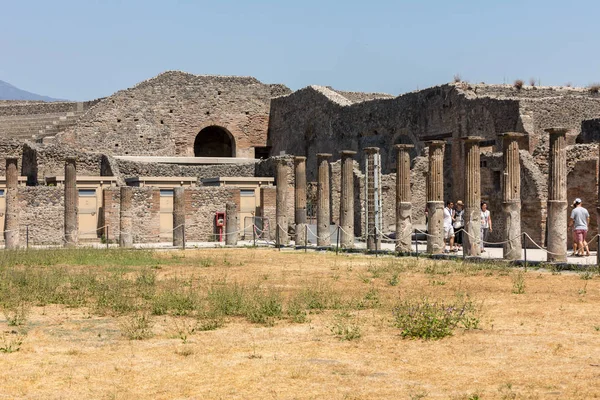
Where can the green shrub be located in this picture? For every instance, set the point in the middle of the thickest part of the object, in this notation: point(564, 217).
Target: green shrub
point(426, 319)
point(345, 327)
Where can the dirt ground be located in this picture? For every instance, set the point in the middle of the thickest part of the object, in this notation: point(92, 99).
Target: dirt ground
point(542, 343)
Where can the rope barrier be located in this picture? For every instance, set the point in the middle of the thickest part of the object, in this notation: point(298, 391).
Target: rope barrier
point(322, 238)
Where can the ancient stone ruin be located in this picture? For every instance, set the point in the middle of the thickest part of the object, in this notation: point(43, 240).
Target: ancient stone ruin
point(181, 158)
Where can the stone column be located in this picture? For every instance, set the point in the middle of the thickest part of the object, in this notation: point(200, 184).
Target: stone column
point(179, 217)
point(231, 226)
point(373, 239)
point(511, 195)
point(347, 200)
point(435, 197)
point(11, 222)
point(71, 203)
point(472, 179)
point(281, 201)
point(126, 217)
point(300, 199)
point(323, 209)
point(403, 199)
point(557, 196)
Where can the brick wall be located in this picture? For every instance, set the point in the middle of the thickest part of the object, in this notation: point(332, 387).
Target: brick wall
point(268, 201)
point(110, 213)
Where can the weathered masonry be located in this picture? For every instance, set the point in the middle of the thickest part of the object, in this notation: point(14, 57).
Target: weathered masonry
point(211, 132)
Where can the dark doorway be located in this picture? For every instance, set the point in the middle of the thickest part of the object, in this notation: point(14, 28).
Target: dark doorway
point(214, 141)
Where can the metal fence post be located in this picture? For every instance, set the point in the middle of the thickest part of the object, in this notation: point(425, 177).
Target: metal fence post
point(254, 233)
point(525, 248)
point(598, 253)
point(27, 236)
point(107, 239)
point(337, 241)
point(183, 236)
point(305, 238)
point(277, 238)
point(416, 244)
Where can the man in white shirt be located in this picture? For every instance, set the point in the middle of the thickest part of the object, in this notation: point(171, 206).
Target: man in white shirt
point(579, 221)
point(448, 228)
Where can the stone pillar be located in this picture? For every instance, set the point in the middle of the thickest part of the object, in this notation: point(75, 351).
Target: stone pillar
point(232, 224)
point(300, 199)
point(179, 217)
point(373, 239)
point(511, 195)
point(11, 222)
point(323, 209)
point(347, 200)
point(435, 197)
point(557, 196)
point(126, 217)
point(71, 203)
point(472, 179)
point(403, 199)
point(281, 201)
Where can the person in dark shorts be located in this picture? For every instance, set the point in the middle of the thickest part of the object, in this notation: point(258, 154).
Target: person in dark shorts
point(459, 223)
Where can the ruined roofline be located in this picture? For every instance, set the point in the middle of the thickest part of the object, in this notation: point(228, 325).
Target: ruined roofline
point(169, 73)
point(337, 98)
point(528, 92)
point(331, 95)
point(359, 97)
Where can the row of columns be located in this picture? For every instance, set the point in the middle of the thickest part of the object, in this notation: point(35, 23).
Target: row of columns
point(511, 197)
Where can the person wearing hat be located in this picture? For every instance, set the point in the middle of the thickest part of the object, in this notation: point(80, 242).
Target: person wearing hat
point(459, 223)
point(579, 221)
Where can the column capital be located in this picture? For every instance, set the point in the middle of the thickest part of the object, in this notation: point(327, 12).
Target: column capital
point(400, 147)
point(472, 139)
point(512, 135)
point(71, 160)
point(435, 143)
point(347, 153)
point(322, 156)
point(556, 131)
point(299, 159)
point(371, 150)
point(281, 161)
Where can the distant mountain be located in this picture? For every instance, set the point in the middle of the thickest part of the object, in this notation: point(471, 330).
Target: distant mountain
point(9, 92)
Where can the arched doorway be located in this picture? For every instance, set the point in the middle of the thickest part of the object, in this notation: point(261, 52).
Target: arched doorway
point(214, 141)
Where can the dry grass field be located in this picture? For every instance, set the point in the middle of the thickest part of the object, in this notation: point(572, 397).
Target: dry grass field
point(261, 324)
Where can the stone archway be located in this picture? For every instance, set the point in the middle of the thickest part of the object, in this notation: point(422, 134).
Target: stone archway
point(214, 141)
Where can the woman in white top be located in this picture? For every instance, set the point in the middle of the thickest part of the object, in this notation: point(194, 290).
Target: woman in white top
point(486, 224)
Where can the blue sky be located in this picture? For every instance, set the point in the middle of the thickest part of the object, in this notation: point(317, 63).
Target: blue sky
point(87, 48)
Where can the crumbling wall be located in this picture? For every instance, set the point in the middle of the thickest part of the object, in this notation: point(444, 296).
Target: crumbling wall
point(10, 149)
point(43, 160)
point(201, 204)
point(590, 131)
point(129, 169)
point(268, 211)
point(12, 108)
point(42, 210)
point(319, 120)
point(582, 182)
point(162, 116)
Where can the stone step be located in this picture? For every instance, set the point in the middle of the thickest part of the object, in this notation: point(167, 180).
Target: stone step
point(35, 116)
